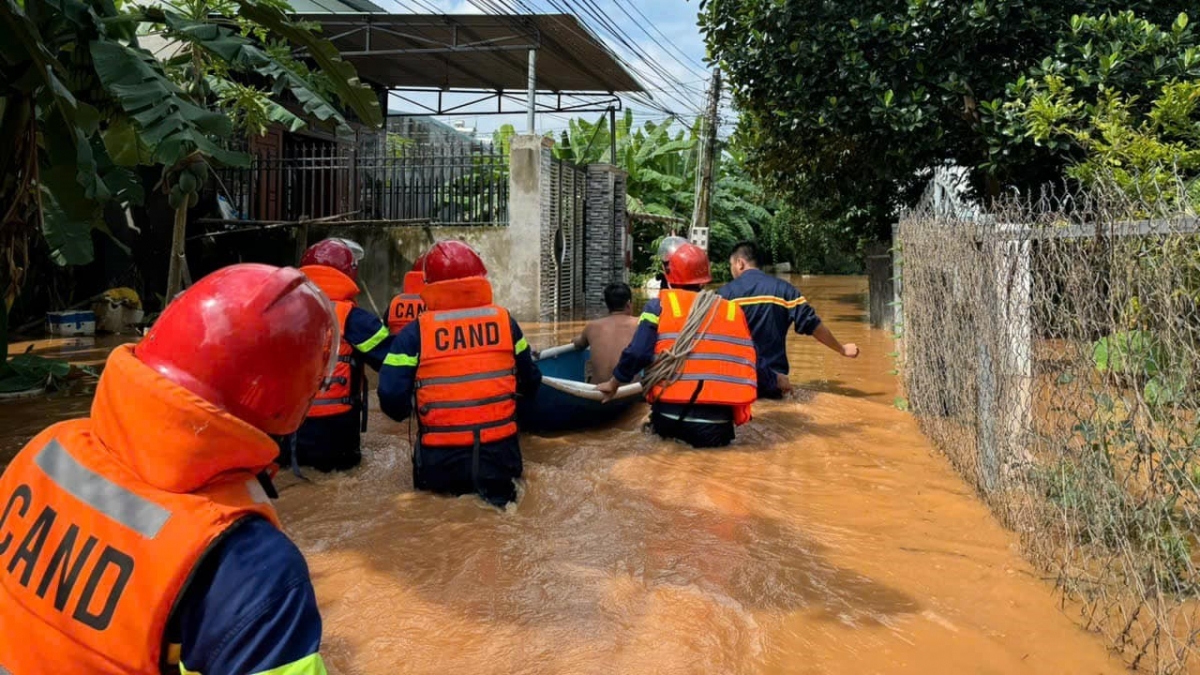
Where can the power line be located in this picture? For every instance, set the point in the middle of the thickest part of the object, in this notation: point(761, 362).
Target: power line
point(647, 22)
point(566, 8)
point(679, 92)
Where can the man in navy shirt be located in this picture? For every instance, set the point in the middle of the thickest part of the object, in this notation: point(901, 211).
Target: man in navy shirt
point(772, 305)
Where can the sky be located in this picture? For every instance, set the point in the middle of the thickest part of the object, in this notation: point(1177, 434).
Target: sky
point(677, 76)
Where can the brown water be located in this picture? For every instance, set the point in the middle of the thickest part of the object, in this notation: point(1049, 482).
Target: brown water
point(829, 539)
point(23, 418)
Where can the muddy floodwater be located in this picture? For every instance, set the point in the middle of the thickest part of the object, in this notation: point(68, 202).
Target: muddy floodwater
point(831, 538)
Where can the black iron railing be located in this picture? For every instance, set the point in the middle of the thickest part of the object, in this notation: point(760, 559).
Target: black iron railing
point(443, 184)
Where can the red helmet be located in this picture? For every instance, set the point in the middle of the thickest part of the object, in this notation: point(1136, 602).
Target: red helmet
point(688, 266)
point(452, 259)
point(332, 253)
point(252, 339)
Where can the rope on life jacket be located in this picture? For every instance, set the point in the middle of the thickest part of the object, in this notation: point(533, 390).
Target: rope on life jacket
point(668, 365)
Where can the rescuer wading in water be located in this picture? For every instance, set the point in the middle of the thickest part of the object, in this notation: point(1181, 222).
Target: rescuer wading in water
point(772, 305)
point(331, 438)
point(142, 539)
point(717, 385)
point(408, 305)
point(466, 361)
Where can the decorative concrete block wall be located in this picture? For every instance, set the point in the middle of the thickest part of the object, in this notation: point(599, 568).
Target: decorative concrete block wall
point(605, 244)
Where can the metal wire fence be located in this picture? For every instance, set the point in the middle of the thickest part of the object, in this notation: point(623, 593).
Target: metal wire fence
point(1050, 348)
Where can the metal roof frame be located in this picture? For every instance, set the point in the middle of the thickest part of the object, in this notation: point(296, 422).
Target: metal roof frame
point(471, 51)
point(495, 102)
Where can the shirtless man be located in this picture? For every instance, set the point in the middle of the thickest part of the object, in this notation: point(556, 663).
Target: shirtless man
point(610, 335)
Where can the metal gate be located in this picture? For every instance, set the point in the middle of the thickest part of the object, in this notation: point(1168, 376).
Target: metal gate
point(568, 186)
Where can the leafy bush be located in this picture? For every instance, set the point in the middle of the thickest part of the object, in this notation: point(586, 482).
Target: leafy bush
point(26, 371)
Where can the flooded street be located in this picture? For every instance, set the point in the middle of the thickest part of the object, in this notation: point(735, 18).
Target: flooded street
point(831, 538)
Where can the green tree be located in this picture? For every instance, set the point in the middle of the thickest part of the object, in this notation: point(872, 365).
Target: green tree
point(85, 103)
point(847, 106)
point(1118, 101)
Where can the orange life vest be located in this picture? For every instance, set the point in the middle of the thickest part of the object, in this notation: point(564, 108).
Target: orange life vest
point(720, 370)
point(466, 373)
point(407, 306)
point(103, 520)
point(339, 392)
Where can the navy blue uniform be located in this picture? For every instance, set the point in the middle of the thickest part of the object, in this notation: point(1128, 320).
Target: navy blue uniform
point(333, 442)
point(771, 305)
point(449, 470)
point(250, 608)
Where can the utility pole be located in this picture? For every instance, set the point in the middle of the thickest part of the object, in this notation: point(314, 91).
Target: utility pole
point(706, 167)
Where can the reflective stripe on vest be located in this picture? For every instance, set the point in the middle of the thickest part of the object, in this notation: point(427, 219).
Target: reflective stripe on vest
point(335, 396)
point(723, 359)
point(741, 342)
point(693, 377)
point(459, 379)
point(405, 309)
point(459, 314)
point(138, 514)
point(467, 403)
point(467, 428)
point(466, 383)
point(93, 561)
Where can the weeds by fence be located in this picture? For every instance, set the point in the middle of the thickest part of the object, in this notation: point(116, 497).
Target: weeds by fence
point(1050, 348)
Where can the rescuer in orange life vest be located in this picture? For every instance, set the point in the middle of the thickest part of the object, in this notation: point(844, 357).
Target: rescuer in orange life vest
point(408, 304)
point(718, 381)
point(331, 438)
point(142, 539)
point(467, 361)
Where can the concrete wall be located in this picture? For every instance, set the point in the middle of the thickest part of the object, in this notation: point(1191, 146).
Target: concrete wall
point(521, 257)
point(390, 252)
point(530, 233)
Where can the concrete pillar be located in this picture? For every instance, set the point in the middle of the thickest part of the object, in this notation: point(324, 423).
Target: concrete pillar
point(530, 230)
point(605, 245)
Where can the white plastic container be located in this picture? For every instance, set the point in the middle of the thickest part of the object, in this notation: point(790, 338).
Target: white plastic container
point(76, 322)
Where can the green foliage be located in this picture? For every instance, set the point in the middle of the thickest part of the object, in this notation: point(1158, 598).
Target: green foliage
point(1134, 354)
point(84, 103)
point(26, 371)
point(1139, 358)
point(1119, 101)
point(847, 106)
point(660, 162)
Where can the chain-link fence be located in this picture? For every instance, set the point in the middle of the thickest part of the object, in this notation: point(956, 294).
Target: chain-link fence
point(1051, 348)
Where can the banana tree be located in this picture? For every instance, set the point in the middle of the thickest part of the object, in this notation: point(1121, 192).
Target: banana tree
point(85, 103)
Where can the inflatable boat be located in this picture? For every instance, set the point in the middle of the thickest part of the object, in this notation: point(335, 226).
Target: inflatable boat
point(566, 400)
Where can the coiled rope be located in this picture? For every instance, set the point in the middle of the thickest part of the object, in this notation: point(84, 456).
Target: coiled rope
point(668, 365)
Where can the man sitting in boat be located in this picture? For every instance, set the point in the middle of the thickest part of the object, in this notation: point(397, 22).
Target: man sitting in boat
point(408, 304)
point(712, 384)
point(466, 360)
point(609, 335)
point(772, 306)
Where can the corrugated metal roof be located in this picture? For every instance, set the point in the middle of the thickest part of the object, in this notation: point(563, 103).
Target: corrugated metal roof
point(334, 7)
point(472, 51)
